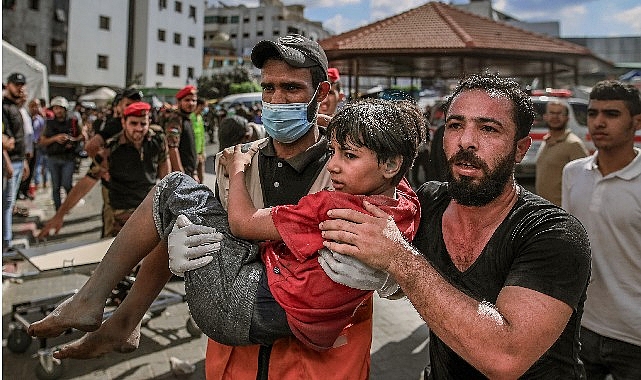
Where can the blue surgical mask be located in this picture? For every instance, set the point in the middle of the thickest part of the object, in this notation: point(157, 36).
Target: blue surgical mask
point(287, 123)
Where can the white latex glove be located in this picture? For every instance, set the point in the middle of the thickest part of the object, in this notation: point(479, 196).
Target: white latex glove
point(191, 246)
point(350, 272)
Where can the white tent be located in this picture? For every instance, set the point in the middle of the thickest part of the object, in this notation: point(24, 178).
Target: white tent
point(101, 96)
point(16, 61)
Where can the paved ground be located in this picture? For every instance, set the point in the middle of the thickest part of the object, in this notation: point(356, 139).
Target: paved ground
point(399, 347)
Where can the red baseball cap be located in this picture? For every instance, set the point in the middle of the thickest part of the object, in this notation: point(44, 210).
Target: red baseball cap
point(137, 109)
point(187, 90)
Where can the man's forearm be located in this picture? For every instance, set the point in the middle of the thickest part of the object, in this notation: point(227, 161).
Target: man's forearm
point(478, 331)
point(78, 191)
point(176, 163)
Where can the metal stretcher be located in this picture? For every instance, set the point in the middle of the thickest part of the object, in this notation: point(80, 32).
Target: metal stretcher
point(60, 259)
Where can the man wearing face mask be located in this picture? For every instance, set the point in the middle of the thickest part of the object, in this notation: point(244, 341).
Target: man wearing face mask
point(288, 166)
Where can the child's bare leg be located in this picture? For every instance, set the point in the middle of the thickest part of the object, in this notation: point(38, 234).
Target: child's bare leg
point(121, 332)
point(83, 311)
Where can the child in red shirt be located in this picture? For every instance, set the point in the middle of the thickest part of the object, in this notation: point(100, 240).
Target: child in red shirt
point(373, 145)
point(366, 164)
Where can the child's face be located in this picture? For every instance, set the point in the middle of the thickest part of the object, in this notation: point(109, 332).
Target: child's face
point(355, 170)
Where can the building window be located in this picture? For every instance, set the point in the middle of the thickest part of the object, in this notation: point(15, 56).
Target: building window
point(259, 33)
point(103, 62)
point(192, 12)
point(177, 38)
point(246, 20)
point(160, 69)
point(30, 49)
point(192, 41)
point(178, 7)
point(58, 57)
point(245, 35)
point(175, 71)
point(233, 35)
point(292, 30)
point(60, 15)
point(162, 4)
point(34, 5)
point(259, 18)
point(234, 19)
point(105, 22)
point(190, 72)
point(276, 32)
point(9, 4)
point(161, 34)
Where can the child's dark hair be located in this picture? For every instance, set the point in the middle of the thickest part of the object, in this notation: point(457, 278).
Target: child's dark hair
point(388, 128)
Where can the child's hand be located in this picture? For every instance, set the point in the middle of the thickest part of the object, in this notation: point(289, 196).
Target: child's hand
point(237, 159)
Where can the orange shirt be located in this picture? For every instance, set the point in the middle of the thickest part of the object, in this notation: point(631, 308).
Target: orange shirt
point(292, 360)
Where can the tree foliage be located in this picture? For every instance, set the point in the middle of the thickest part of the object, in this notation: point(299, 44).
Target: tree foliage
point(237, 80)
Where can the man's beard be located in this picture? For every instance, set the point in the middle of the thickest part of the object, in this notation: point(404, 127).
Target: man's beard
point(467, 193)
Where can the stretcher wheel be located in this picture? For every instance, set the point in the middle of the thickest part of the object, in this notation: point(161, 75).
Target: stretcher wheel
point(18, 341)
point(192, 328)
point(49, 370)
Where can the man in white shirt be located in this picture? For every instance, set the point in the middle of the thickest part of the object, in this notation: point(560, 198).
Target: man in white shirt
point(604, 192)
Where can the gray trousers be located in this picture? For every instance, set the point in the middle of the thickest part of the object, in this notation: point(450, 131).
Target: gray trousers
point(221, 295)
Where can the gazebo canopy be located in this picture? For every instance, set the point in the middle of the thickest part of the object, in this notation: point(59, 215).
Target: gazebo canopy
point(437, 40)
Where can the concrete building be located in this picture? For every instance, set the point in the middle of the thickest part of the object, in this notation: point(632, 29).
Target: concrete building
point(96, 46)
point(29, 26)
point(230, 32)
point(167, 47)
point(87, 44)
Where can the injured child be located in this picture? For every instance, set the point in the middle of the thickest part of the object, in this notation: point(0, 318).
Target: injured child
point(372, 144)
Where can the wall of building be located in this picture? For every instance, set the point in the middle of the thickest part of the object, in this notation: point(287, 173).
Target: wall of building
point(87, 40)
point(28, 29)
point(622, 51)
point(246, 26)
point(149, 51)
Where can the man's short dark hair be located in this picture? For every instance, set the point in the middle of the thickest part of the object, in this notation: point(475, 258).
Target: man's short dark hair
point(615, 90)
point(132, 93)
point(523, 113)
point(231, 131)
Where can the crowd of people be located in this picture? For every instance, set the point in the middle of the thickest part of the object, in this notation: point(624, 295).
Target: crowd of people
point(282, 257)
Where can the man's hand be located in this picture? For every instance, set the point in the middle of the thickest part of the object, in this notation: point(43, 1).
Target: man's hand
point(350, 272)
point(191, 246)
point(238, 158)
point(373, 239)
point(61, 138)
point(25, 169)
point(54, 223)
point(8, 170)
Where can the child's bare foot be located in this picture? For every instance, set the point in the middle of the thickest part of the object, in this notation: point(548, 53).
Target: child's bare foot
point(72, 313)
point(98, 343)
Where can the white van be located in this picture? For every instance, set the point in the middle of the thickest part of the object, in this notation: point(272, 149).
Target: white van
point(248, 99)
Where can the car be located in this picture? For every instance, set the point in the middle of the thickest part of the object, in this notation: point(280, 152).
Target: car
point(577, 123)
point(248, 99)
